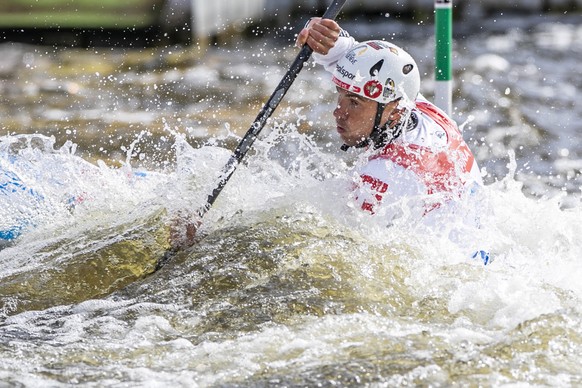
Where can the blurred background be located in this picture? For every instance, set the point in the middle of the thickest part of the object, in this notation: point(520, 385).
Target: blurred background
point(106, 74)
point(154, 22)
point(286, 287)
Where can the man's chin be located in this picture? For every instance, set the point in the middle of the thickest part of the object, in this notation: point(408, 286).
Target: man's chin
point(346, 140)
point(351, 142)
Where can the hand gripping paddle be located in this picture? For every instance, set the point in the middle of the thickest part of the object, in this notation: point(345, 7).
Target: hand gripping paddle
point(266, 112)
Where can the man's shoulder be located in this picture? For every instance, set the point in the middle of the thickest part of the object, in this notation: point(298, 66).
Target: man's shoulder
point(424, 131)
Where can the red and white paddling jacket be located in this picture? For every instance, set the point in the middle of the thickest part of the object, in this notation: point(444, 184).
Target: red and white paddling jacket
point(429, 162)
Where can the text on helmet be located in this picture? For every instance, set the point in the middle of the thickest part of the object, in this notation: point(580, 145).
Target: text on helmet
point(344, 72)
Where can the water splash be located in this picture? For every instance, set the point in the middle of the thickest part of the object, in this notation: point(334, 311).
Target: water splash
point(289, 285)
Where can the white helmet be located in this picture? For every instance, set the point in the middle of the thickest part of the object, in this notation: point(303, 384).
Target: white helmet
point(379, 71)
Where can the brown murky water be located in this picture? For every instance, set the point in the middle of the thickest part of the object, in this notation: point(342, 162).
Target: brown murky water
point(286, 286)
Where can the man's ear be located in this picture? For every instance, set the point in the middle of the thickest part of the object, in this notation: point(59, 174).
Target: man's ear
point(395, 114)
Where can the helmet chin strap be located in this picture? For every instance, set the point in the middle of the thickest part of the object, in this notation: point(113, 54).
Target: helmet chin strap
point(380, 135)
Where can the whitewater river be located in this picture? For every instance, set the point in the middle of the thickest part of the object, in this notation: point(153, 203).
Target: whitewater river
point(287, 285)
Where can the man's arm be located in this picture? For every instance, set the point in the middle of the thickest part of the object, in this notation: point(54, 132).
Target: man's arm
point(328, 41)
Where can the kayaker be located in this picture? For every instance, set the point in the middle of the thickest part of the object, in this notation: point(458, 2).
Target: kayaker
point(415, 148)
point(417, 161)
point(416, 155)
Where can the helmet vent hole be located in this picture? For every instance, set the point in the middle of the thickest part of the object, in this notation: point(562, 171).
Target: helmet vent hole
point(407, 68)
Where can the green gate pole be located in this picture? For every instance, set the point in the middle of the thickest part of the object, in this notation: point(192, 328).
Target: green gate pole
point(443, 55)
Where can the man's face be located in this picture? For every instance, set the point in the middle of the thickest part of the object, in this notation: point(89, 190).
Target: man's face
point(354, 116)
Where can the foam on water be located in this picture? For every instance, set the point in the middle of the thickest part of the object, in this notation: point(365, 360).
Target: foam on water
point(290, 284)
point(533, 241)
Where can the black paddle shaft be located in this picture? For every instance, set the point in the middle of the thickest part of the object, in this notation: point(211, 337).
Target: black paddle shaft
point(266, 112)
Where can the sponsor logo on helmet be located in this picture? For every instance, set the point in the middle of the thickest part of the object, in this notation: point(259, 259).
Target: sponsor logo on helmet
point(375, 45)
point(340, 83)
point(362, 51)
point(379, 45)
point(344, 73)
point(372, 89)
point(351, 56)
point(389, 88)
point(343, 85)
